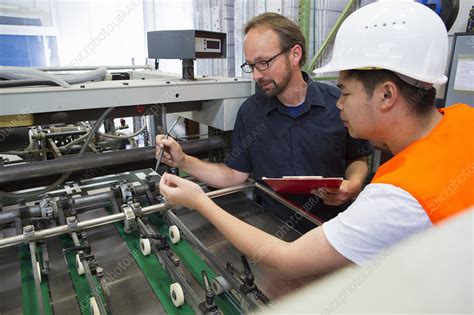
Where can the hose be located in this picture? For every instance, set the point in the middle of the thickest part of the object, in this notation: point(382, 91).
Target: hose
point(94, 75)
point(63, 177)
point(122, 137)
point(22, 73)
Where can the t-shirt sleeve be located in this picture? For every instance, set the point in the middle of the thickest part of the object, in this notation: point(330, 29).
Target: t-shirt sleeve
point(357, 148)
point(381, 216)
point(238, 156)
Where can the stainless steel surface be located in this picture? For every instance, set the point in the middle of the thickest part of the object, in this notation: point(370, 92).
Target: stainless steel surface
point(218, 113)
point(10, 283)
point(63, 297)
point(288, 204)
point(237, 204)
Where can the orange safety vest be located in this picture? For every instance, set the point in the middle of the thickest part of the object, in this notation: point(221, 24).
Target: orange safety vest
point(438, 170)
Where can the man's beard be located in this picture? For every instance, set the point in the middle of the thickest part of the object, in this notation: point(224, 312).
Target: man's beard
point(277, 88)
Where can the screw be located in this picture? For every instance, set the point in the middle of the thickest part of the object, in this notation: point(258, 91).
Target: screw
point(28, 229)
point(71, 220)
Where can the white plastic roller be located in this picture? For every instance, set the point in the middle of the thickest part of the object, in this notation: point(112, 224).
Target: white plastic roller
point(177, 294)
point(175, 234)
point(79, 266)
point(145, 246)
point(94, 306)
point(220, 285)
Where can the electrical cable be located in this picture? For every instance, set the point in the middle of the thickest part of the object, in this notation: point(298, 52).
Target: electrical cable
point(63, 177)
point(122, 137)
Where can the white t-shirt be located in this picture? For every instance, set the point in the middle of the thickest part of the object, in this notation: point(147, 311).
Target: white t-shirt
point(381, 215)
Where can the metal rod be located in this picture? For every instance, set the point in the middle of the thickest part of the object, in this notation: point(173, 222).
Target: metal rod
point(93, 288)
point(51, 167)
point(36, 277)
point(83, 225)
point(65, 133)
point(288, 204)
point(94, 199)
point(8, 217)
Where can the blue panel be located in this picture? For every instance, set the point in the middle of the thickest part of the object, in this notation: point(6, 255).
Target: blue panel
point(22, 51)
point(12, 20)
point(434, 5)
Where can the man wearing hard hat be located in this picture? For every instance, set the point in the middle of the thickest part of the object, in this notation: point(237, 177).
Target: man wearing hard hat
point(388, 54)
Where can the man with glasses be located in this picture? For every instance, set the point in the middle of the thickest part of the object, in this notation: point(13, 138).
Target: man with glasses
point(289, 128)
point(389, 55)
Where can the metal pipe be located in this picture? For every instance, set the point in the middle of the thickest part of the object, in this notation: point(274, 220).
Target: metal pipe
point(51, 167)
point(62, 229)
point(92, 199)
point(288, 204)
point(65, 133)
point(99, 198)
point(36, 276)
point(8, 217)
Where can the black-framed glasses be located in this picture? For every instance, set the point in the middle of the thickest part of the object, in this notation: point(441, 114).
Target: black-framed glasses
point(260, 65)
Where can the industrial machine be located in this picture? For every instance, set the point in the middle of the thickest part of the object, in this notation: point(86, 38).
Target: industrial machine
point(83, 228)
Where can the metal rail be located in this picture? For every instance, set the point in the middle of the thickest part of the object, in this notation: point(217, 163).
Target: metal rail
point(82, 68)
point(220, 270)
point(285, 202)
point(84, 225)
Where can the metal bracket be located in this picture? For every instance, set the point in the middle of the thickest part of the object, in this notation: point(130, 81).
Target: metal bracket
point(129, 220)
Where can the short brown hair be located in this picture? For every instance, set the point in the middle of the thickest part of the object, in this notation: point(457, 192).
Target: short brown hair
point(420, 100)
point(287, 31)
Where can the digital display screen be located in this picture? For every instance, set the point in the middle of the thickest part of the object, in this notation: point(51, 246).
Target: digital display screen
point(213, 44)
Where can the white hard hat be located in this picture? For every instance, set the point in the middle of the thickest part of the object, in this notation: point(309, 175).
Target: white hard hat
point(398, 35)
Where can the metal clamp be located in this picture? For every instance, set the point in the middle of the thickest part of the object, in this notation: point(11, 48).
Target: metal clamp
point(29, 232)
point(129, 222)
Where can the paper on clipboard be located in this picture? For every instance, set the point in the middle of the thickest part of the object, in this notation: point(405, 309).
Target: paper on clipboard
point(301, 184)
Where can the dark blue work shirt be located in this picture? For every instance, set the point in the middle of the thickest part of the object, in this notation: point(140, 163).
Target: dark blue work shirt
point(270, 141)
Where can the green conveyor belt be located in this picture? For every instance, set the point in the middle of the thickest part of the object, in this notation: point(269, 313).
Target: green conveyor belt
point(193, 263)
point(81, 287)
point(156, 276)
point(28, 292)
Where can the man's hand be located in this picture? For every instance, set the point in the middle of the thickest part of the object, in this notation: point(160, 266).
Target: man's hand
point(181, 191)
point(173, 154)
point(337, 196)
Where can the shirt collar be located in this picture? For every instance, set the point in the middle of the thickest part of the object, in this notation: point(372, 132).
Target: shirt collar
point(314, 97)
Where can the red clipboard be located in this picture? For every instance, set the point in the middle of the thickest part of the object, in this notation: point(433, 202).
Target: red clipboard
point(301, 184)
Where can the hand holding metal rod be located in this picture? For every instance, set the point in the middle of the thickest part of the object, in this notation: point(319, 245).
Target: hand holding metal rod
point(160, 155)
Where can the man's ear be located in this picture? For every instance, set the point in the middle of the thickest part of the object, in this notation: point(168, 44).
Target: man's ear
point(387, 92)
point(296, 53)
